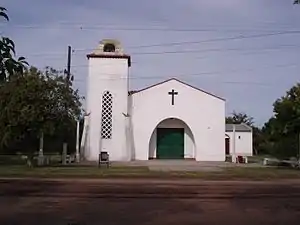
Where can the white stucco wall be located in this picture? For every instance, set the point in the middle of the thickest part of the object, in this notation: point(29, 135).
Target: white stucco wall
point(203, 113)
point(107, 74)
point(189, 149)
point(243, 143)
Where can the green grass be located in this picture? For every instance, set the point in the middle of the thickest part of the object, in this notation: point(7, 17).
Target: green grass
point(143, 172)
point(259, 173)
point(70, 171)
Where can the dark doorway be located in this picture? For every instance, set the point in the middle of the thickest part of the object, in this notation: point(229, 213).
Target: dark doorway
point(227, 146)
point(170, 143)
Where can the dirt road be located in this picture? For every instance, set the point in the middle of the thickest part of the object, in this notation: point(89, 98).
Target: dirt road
point(148, 202)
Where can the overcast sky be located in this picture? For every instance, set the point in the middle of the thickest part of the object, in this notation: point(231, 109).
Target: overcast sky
point(246, 51)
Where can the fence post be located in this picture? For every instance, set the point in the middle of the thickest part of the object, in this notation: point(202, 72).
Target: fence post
point(41, 150)
point(77, 142)
point(64, 153)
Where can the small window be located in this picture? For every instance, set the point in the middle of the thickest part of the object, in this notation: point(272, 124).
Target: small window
point(239, 137)
point(106, 116)
point(109, 48)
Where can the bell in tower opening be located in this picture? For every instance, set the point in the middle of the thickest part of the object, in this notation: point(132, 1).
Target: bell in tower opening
point(109, 47)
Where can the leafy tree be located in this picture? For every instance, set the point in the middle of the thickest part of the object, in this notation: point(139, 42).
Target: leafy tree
point(237, 118)
point(282, 130)
point(3, 14)
point(287, 110)
point(9, 66)
point(38, 102)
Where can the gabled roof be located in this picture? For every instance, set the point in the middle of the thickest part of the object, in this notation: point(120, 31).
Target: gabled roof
point(154, 85)
point(238, 127)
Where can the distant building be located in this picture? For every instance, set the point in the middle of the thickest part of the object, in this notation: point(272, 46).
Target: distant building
point(238, 140)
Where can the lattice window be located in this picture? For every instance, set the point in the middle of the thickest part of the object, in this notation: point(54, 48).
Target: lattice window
point(106, 116)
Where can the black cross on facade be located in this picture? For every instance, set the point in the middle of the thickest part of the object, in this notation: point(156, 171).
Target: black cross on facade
point(173, 93)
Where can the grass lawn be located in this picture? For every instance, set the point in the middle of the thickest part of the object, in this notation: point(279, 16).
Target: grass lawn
point(144, 172)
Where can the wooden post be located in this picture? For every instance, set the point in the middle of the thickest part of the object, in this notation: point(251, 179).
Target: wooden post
point(64, 153)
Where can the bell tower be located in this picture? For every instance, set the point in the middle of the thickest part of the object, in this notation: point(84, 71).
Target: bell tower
point(107, 101)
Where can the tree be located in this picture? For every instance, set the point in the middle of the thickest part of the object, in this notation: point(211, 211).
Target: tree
point(287, 111)
point(38, 102)
point(238, 118)
point(296, 2)
point(9, 66)
point(282, 130)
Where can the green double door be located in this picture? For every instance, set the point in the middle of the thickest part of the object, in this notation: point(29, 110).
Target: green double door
point(170, 143)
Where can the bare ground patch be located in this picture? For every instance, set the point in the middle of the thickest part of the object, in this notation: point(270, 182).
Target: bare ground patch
point(149, 202)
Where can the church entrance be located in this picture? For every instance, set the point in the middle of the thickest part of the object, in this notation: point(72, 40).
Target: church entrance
point(172, 139)
point(170, 143)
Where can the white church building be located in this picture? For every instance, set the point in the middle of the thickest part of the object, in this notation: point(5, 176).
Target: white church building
point(168, 120)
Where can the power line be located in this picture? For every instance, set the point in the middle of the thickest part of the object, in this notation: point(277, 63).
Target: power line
point(239, 37)
point(199, 74)
point(194, 51)
point(156, 23)
point(207, 50)
point(220, 82)
point(137, 62)
point(141, 28)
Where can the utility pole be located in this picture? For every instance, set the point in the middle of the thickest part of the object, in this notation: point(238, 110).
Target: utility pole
point(69, 63)
point(68, 76)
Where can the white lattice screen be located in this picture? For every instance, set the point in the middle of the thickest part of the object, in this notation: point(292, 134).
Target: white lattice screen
point(106, 117)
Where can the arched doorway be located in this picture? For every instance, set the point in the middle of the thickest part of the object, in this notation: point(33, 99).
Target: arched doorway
point(172, 139)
